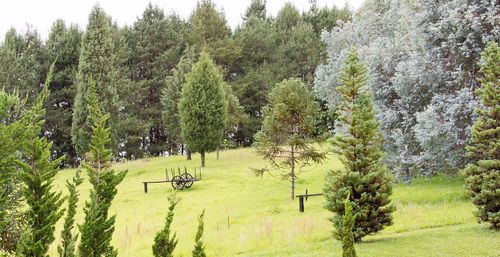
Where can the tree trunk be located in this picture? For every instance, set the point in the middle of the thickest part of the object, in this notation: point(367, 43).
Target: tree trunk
point(218, 149)
point(188, 154)
point(202, 158)
point(293, 172)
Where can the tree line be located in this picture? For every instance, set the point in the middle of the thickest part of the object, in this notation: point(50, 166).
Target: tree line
point(139, 71)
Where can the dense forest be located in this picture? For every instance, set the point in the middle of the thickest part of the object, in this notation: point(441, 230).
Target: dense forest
point(422, 58)
point(139, 74)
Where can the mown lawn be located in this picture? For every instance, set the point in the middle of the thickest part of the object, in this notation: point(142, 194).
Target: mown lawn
point(251, 216)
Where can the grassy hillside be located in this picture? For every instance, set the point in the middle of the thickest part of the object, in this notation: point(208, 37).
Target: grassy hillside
point(250, 216)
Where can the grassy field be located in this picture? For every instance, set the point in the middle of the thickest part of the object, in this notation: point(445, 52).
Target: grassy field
point(250, 216)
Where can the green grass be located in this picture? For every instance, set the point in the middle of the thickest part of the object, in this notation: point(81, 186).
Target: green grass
point(251, 216)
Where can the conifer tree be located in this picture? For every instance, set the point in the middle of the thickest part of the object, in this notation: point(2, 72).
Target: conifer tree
point(165, 244)
point(98, 63)
point(483, 172)
point(358, 145)
point(170, 100)
point(62, 44)
point(348, 249)
point(287, 135)
point(68, 239)
point(37, 175)
point(199, 247)
point(156, 43)
point(97, 228)
point(203, 108)
point(12, 219)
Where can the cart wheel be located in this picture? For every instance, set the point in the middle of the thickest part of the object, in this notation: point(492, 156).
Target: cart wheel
point(188, 180)
point(177, 183)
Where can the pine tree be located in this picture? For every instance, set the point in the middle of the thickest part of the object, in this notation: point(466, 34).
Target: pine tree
point(97, 228)
point(202, 108)
point(348, 249)
point(62, 44)
point(287, 135)
point(37, 175)
point(358, 145)
point(156, 44)
point(68, 239)
point(483, 172)
point(98, 63)
point(199, 247)
point(165, 244)
point(170, 100)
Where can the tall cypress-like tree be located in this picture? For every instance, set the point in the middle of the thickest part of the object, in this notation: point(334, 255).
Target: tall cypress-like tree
point(203, 108)
point(37, 175)
point(68, 238)
point(165, 244)
point(287, 136)
point(170, 100)
point(483, 173)
point(199, 247)
point(358, 145)
point(98, 63)
point(97, 228)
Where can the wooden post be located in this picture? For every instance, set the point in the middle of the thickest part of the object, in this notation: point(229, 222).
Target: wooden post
point(145, 187)
point(301, 204)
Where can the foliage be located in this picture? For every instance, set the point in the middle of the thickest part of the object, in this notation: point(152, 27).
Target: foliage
point(97, 228)
point(68, 240)
point(165, 244)
point(203, 108)
point(421, 56)
point(483, 172)
point(199, 247)
point(97, 64)
point(170, 99)
point(63, 45)
point(348, 249)
point(26, 170)
point(358, 142)
point(287, 135)
point(155, 44)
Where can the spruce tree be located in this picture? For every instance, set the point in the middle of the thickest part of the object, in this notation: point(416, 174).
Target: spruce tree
point(68, 239)
point(98, 63)
point(37, 175)
point(164, 244)
point(170, 100)
point(203, 108)
point(199, 247)
point(483, 172)
point(358, 145)
point(97, 228)
point(348, 249)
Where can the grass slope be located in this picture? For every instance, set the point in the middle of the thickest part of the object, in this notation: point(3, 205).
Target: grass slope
point(250, 216)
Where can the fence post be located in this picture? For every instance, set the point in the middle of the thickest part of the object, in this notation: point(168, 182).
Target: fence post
point(145, 187)
point(301, 204)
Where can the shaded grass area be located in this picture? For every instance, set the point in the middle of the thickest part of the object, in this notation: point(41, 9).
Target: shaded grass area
point(251, 216)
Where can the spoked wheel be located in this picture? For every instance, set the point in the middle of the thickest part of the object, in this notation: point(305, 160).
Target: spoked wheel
point(177, 183)
point(188, 180)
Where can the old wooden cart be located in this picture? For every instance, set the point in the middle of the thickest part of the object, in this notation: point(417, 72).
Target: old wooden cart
point(178, 180)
